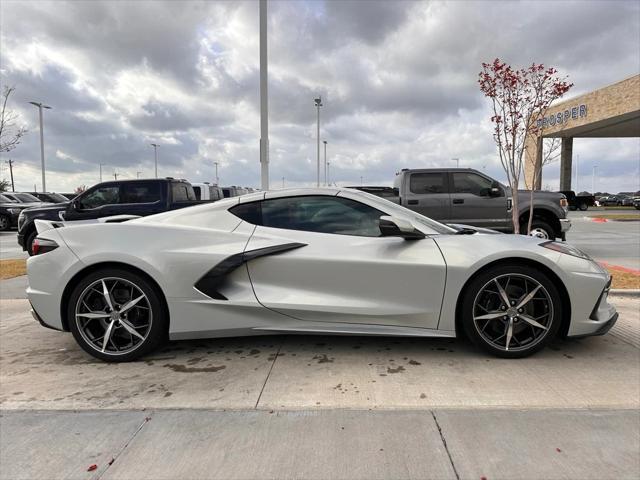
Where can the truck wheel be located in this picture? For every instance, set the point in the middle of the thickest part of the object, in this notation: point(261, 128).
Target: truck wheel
point(573, 209)
point(539, 229)
point(5, 223)
point(29, 242)
point(583, 207)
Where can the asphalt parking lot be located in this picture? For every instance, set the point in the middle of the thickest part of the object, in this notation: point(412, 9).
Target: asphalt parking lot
point(324, 407)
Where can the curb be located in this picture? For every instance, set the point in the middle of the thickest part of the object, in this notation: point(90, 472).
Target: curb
point(604, 220)
point(625, 292)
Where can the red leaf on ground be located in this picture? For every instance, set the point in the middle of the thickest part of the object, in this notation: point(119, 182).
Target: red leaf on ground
point(92, 468)
point(558, 450)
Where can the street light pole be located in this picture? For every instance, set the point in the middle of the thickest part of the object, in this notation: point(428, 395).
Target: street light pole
point(138, 174)
point(318, 102)
point(325, 163)
point(101, 172)
point(328, 176)
point(593, 180)
point(40, 106)
point(10, 162)
point(283, 182)
point(155, 156)
point(264, 100)
point(217, 179)
point(457, 160)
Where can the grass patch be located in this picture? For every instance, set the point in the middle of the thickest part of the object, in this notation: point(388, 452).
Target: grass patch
point(12, 268)
point(623, 278)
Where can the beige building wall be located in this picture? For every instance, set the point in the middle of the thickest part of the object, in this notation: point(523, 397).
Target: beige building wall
point(612, 111)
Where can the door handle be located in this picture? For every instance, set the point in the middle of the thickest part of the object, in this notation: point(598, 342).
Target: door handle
point(458, 200)
point(413, 202)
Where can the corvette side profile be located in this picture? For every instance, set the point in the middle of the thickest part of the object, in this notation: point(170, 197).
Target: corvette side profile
point(310, 261)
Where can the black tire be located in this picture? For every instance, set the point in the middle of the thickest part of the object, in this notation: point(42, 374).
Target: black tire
point(583, 207)
point(476, 288)
point(541, 226)
point(29, 242)
point(5, 223)
point(637, 207)
point(158, 317)
point(572, 208)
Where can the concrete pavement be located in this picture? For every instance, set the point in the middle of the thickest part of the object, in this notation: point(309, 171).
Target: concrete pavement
point(321, 444)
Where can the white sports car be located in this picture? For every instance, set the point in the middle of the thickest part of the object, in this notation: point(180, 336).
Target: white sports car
point(312, 261)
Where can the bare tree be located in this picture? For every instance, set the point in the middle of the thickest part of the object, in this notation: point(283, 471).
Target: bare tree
point(10, 132)
point(518, 97)
point(4, 185)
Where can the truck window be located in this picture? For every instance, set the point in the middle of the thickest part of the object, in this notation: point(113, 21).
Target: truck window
point(182, 192)
point(427, 183)
point(140, 192)
point(467, 182)
point(196, 190)
point(107, 195)
point(214, 194)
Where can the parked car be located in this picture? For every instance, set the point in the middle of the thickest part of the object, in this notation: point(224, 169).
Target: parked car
point(122, 197)
point(49, 197)
point(611, 201)
point(25, 199)
point(70, 196)
point(579, 202)
point(636, 203)
point(206, 191)
point(324, 261)
point(232, 191)
point(627, 201)
point(467, 196)
point(9, 211)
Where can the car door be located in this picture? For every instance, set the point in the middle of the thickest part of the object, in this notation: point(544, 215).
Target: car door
point(428, 194)
point(472, 203)
point(342, 269)
point(98, 202)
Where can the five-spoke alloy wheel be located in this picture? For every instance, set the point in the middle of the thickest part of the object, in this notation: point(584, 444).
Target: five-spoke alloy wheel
point(511, 311)
point(116, 315)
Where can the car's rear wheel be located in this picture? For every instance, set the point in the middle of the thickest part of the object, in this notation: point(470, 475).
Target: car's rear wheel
point(116, 315)
point(583, 207)
point(5, 223)
point(511, 311)
point(539, 229)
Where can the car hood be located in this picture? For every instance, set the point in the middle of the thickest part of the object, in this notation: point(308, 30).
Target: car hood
point(46, 206)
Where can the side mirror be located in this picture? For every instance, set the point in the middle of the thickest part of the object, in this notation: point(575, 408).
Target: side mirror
point(397, 227)
point(495, 190)
point(75, 204)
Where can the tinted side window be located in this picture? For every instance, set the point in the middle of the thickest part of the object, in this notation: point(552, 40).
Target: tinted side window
point(196, 190)
point(428, 183)
point(322, 214)
point(107, 195)
point(464, 182)
point(249, 212)
point(182, 192)
point(140, 192)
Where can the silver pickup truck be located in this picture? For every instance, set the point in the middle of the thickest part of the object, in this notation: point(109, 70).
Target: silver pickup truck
point(467, 196)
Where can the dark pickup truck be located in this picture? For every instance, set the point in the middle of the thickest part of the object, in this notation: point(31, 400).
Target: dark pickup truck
point(579, 202)
point(122, 197)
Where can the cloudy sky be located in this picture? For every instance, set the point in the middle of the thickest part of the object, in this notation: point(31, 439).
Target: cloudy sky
point(398, 80)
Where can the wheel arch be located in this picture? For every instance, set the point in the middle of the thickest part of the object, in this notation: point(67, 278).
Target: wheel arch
point(564, 295)
point(66, 294)
point(543, 214)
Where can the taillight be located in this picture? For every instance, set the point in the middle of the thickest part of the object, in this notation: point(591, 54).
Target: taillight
point(564, 202)
point(42, 245)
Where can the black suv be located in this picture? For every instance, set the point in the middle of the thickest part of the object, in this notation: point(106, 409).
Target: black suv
point(122, 197)
point(9, 211)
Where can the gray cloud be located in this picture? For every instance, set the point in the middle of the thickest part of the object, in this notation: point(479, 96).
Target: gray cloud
point(398, 80)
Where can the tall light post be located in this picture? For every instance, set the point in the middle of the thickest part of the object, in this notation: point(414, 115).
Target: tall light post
point(328, 176)
point(40, 106)
point(457, 160)
point(360, 180)
point(217, 179)
point(318, 102)
point(155, 156)
point(593, 180)
point(283, 183)
point(101, 172)
point(138, 174)
point(10, 162)
point(264, 100)
point(325, 163)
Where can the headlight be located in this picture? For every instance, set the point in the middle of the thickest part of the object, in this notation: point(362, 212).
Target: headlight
point(13, 211)
point(566, 249)
point(564, 202)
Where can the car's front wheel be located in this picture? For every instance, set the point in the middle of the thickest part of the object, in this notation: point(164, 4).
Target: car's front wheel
point(583, 207)
point(116, 315)
point(511, 311)
point(5, 223)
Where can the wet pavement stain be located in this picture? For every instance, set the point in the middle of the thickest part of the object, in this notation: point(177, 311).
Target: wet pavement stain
point(185, 369)
point(399, 369)
point(413, 362)
point(254, 352)
point(323, 358)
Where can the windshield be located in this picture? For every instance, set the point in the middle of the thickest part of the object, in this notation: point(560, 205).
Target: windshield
point(26, 197)
point(6, 199)
point(394, 209)
point(56, 197)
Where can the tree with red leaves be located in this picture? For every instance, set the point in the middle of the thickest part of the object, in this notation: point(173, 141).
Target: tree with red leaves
point(518, 97)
